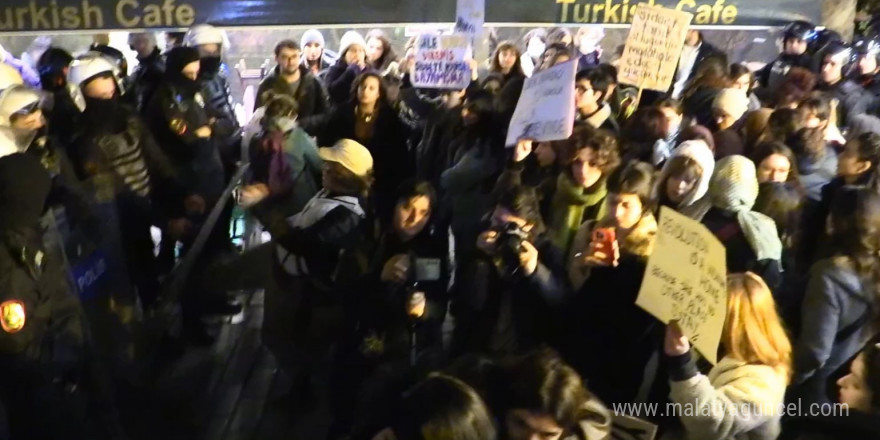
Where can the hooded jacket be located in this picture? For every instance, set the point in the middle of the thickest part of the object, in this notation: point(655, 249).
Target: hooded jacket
point(696, 203)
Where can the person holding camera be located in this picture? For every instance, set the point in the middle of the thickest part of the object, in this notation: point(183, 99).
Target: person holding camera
point(504, 295)
point(606, 269)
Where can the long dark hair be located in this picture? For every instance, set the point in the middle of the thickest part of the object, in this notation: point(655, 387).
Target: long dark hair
point(388, 54)
point(383, 88)
point(496, 66)
point(767, 149)
point(443, 407)
point(409, 189)
point(712, 73)
point(855, 233)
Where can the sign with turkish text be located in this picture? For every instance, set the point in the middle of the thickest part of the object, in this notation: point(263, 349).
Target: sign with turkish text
point(686, 280)
point(545, 111)
point(653, 47)
point(440, 62)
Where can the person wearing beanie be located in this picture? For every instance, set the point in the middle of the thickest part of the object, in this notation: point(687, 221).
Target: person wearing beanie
point(684, 179)
point(728, 109)
point(351, 63)
point(314, 57)
point(307, 248)
point(750, 238)
point(293, 78)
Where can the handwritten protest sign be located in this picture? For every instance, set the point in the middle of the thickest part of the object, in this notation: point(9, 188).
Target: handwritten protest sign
point(545, 111)
point(653, 47)
point(440, 62)
point(686, 280)
point(469, 17)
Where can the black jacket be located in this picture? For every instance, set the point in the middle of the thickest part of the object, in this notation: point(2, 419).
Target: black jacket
point(339, 80)
point(146, 79)
point(500, 315)
point(310, 95)
point(392, 162)
point(740, 256)
point(851, 97)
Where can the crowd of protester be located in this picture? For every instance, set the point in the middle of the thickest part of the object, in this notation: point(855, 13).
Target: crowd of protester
point(487, 291)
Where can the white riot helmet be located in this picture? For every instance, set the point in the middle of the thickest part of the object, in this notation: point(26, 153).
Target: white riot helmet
point(9, 76)
point(85, 67)
point(205, 34)
point(19, 100)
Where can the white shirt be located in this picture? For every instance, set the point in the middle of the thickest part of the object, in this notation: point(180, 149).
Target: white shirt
point(685, 66)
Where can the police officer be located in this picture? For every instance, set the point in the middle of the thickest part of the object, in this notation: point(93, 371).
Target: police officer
point(64, 116)
point(217, 82)
point(120, 162)
point(49, 385)
point(178, 117)
point(867, 60)
point(795, 41)
point(148, 73)
point(851, 98)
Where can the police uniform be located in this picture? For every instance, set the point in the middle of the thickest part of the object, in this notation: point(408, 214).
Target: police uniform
point(46, 362)
point(146, 79)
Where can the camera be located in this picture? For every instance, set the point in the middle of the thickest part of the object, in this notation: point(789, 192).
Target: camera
point(508, 247)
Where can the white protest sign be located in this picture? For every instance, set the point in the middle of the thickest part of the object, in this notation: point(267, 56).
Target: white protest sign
point(440, 62)
point(545, 111)
point(686, 280)
point(650, 56)
point(469, 17)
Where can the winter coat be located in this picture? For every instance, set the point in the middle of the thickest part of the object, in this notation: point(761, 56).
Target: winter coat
point(836, 325)
point(310, 96)
point(604, 119)
point(392, 161)
point(439, 129)
point(713, 405)
point(851, 97)
point(502, 315)
point(339, 80)
point(602, 317)
point(146, 79)
point(301, 156)
point(740, 255)
point(814, 174)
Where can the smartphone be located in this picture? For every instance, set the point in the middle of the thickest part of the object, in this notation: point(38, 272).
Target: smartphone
point(604, 239)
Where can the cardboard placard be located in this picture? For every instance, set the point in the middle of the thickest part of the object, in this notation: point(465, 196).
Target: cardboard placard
point(545, 111)
point(686, 280)
point(653, 47)
point(469, 17)
point(440, 62)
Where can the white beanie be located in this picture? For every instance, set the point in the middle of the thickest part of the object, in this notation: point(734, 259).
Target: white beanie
point(348, 39)
point(734, 102)
point(312, 36)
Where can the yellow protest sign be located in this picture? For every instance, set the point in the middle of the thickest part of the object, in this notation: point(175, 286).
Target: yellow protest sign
point(653, 47)
point(686, 280)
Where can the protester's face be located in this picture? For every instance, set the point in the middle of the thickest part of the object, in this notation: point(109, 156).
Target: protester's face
point(209, 50)
point(626, 209)
point(585, 96)
point(100, 88)
point(854, 390)
point(492, 87)
point(313, 51)
point(774, 168)
point(672, 117)
point(723, 119)
point(848, 163)
point(832, 69)
point(743, 83)
point(411, 216)
point(867, 64)
point(692, 38)
point(142, 45)
point(469, 117)
point(507, 59)
point(679, 186)
point(795, 46)
point(545, 154)
point(355, 54)
point(30, 121)
point(288, 60)
point(375, 49)
point(585, 169)
point(191, 70)
point(522, 424)
point(501, 217)
point(368, 91)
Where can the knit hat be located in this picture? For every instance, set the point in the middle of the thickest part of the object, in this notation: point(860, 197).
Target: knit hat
point(348, 39)
point(734, 102)
point(703, 156)
point(350, 154)
point(312, 36)
point(734, 187)
point(178, 58)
